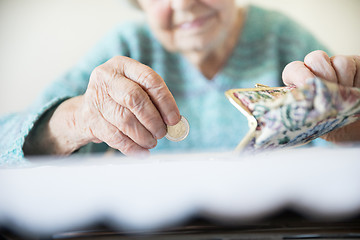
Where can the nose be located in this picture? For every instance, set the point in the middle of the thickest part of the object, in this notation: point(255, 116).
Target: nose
point(182, 4)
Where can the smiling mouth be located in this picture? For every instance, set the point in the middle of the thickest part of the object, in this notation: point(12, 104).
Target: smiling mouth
point(196, 23)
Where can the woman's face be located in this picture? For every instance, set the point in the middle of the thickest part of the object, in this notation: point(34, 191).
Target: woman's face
point(190, 25)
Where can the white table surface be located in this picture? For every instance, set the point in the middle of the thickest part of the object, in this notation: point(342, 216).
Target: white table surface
point(166, 190)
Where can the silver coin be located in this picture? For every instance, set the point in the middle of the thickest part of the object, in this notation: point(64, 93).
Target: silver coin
point(179, 131)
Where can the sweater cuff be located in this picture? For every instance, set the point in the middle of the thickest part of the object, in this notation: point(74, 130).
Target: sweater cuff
point(15, 128)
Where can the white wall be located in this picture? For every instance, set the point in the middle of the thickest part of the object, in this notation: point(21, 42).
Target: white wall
point(40, 39)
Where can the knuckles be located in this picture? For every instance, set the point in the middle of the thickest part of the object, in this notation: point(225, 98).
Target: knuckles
point(348, 64)
point(149, 78)
point(315, 56)
point(135, 98)
point(131, 98)
point(110, 69)
point(98, 73)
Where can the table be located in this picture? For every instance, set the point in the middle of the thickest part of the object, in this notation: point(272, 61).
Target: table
point(234, 196)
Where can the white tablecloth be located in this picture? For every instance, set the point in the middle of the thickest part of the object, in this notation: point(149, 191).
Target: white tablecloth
point(165, 190)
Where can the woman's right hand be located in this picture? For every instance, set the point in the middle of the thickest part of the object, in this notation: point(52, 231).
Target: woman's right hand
point(126, 105)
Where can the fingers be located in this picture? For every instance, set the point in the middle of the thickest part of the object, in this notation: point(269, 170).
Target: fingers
point(133, 102)
point(109, 134)
point(130, 95)
point(153, 85)
point(319, 63)
point(357, 75)
point(347, 70)
point(296, 73)
point(125, 121)
point(344, 70)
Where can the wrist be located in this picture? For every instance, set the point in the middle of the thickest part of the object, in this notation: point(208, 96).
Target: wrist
point(58, 131)
point(66, 126)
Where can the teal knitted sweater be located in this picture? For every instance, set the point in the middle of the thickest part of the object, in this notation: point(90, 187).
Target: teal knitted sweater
point(268, 42)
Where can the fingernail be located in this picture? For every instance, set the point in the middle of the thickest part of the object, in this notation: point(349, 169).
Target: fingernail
point(160, 134)
point(153, 143)
point(173, 118)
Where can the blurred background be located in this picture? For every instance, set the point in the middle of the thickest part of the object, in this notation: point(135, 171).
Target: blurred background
point(41, 39)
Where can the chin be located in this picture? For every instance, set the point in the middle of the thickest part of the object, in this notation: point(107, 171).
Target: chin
point(202, 42)
point(196, 45)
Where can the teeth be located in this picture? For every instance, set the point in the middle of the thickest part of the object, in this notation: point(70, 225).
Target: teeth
point(194, 23)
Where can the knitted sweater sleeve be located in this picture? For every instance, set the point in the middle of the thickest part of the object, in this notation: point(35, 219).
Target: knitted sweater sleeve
point(16, 126)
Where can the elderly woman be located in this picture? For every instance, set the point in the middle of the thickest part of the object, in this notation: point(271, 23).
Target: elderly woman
point(142, 76)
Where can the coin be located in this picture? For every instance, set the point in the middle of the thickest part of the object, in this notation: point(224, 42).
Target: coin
point(179, 131)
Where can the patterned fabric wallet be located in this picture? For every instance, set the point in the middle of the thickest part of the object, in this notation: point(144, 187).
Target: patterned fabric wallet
point(288, 116)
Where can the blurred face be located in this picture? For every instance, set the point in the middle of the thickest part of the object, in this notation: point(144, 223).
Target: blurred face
point(190, 25)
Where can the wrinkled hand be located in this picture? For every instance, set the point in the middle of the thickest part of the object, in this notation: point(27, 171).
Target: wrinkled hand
point(126, 105)
point(343, 70)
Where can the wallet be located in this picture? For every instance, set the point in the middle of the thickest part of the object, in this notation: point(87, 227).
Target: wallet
point(280, 117)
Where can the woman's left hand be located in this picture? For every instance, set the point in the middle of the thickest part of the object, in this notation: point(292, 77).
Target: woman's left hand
point(344, 70)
